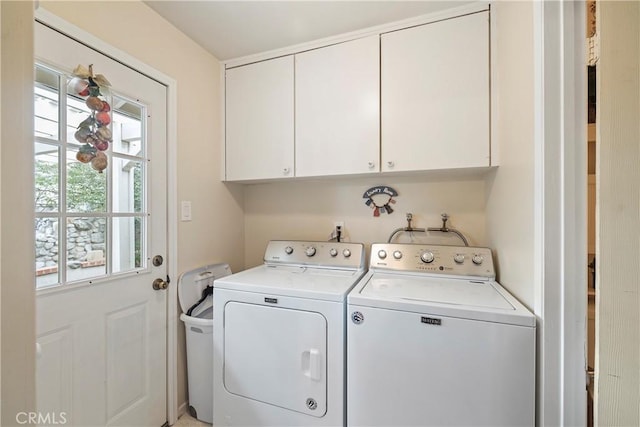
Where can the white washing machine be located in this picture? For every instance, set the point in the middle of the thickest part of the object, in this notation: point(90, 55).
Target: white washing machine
point(279, 341)
point(434, 340)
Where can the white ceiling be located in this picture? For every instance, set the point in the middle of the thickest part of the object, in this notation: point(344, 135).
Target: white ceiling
point(233, 29)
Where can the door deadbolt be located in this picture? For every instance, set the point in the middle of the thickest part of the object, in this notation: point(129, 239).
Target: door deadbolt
point(157, 260)
point(160, 284)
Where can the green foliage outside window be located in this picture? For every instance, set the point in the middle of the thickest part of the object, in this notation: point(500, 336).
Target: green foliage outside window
point(86, 191)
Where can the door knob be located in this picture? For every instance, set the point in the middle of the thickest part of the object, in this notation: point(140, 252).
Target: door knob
point(160, 284)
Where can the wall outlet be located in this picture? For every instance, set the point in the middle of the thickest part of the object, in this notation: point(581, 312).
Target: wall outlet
point(334, 232)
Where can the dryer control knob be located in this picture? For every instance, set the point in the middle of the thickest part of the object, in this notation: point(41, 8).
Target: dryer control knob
point(397, 254)
point(333, 252)
point(427, 257)
point(288, 250)
point(311, 251)
point(346, 253)
point(458, 258)
point(382, 254)
point(477, 259)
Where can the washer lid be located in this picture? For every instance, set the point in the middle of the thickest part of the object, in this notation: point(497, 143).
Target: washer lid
point(438, 290)
point(452, 297)
point(193, 282)
point(327, 284)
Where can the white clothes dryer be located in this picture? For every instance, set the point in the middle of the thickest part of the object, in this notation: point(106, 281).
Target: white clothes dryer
point(434, 340)
point(279, 341)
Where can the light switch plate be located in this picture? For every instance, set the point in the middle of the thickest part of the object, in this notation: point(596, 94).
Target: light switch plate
point(185, 210)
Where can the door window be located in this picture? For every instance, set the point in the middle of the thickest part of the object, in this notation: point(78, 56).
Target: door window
point(88, 225)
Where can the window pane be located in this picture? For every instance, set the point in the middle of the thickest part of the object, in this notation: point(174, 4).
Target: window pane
point(77, 111)
point(46, 103)
point(127, 185)
point(86, 248)
point(128, 244)
point(83, 214)
point(86, 188)
point(47, 236)
point(127, 127)
point(47, 190)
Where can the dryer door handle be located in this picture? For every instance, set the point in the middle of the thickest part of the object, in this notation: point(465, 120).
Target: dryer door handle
point(312, 364)
point(315, 369)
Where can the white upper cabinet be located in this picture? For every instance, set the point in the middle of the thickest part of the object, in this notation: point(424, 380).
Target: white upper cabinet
point(259, 124)
point(409, 99)
point(435, 95)
point(337, 108)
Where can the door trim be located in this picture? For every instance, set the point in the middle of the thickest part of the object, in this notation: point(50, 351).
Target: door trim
point(560, 217)
point(89, 39)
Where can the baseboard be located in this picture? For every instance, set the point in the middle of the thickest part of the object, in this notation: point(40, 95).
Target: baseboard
point(182, 409)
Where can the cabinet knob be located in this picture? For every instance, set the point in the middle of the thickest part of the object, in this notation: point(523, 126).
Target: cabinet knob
point(285, 171)
point(390, 164)
point(372, 165)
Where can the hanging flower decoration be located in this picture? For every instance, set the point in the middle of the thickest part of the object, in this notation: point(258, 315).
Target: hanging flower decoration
point(380, 198)
point(93, 132)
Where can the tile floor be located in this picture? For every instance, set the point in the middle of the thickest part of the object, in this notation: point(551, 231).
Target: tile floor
point(188, 421)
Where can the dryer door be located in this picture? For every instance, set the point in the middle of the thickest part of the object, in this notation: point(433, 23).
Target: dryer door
point(276, 356)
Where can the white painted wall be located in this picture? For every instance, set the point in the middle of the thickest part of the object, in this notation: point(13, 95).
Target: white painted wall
point(216, 208)
point(509, 190)
point(306, 210)
point(617, 387)
point(0, 220)
point(17, 269)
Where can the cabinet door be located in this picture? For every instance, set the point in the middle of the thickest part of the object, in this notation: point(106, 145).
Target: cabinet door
point(435, 95)
point(259, 120)
point(338, 109)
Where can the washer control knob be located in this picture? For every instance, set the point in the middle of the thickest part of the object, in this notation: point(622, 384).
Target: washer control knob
point(458, 258)
point(477, 259)
point(382, 254)
point(427, 257)
point(346, 253)
point(288, 250)
point(333, 252)
point(311, 251)
point(397, 254)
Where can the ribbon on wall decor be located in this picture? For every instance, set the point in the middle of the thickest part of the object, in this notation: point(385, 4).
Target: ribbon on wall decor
point(380, 198)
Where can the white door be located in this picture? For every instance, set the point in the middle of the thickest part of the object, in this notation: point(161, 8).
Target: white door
point(101, 326)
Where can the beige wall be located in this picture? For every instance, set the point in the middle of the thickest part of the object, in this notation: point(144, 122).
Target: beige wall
point(509, 190)
point(216, 232)
point(617, 384)
point(306, 210)
point(16, 152)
